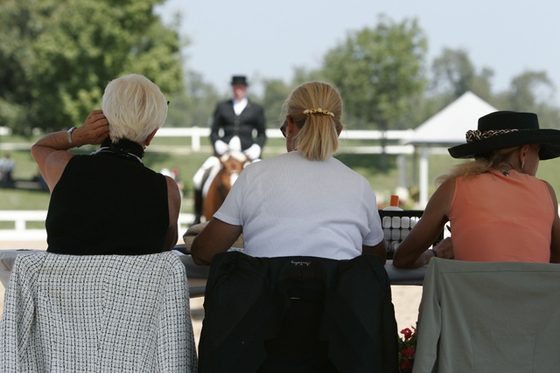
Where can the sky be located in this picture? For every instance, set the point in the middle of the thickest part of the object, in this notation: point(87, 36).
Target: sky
point(268, 39)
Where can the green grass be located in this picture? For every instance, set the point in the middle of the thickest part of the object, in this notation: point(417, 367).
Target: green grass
point(382, 182)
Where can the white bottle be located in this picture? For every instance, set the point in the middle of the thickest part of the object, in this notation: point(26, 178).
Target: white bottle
point(394, 204)
point(392, 221)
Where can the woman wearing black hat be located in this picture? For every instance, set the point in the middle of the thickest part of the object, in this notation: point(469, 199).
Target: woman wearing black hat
point(498, 209)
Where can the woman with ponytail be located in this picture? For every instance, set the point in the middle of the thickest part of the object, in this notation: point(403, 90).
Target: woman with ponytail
point(304, 202)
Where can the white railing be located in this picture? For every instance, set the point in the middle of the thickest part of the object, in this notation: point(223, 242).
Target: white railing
point(20, 232)
point(196, 133)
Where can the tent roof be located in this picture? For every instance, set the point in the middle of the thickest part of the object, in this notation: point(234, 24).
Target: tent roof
point(448, 127)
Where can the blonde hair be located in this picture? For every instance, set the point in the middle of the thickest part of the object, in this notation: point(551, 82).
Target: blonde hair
point(317, 138)
point(480, 165)
point(134, 107)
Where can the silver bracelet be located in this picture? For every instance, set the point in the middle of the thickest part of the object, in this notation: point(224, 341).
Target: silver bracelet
point(69, 132)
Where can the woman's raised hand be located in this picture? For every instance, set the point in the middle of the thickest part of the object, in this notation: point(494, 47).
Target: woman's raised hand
point(94, 131)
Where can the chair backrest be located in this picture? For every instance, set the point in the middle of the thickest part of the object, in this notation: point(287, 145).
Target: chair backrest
point(489, 317)
point(97, 313)
point(396, 226)
point(251, 302)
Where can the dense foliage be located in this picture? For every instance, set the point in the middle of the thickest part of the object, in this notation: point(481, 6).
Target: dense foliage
point(378, 70)
point(58, 55)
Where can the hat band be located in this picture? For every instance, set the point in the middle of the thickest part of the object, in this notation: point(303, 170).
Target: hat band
point(475, 135)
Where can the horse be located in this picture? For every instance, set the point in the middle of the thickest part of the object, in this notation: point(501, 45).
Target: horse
point(231, 165)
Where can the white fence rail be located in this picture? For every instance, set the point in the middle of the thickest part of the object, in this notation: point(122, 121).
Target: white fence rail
point(20, 219)
point(196, 133)
point(20, 231)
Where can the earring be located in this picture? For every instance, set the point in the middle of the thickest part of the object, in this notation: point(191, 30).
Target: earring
point(522, 164)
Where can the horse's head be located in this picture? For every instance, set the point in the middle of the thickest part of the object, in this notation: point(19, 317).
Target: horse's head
point(232, 165)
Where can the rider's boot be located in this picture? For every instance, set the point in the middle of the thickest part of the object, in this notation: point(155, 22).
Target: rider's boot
point(197, 206)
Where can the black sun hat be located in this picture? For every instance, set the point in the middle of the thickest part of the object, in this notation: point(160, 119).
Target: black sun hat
point(506, 129)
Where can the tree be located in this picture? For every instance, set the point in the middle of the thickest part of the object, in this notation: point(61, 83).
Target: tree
point(529, 90)
point(275, 93)
point(57, 57)
point(194, 105)
point(377, 72)
point(532, 91)
point(454, 74)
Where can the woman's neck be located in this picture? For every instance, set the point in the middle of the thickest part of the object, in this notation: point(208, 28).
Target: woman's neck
point(505, 168)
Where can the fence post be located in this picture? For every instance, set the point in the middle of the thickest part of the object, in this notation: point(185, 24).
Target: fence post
point(20, 223)
point(195, 142)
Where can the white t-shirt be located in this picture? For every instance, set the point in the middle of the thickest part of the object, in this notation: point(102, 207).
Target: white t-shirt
point(291, 206)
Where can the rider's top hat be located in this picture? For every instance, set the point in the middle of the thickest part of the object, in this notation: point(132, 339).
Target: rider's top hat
point(239, 79)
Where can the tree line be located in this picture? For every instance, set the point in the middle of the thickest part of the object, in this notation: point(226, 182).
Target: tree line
point(57, 56)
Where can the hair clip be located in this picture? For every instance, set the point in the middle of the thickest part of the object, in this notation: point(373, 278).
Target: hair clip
point(319, 111)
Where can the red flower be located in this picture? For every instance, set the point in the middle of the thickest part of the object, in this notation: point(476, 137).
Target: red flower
point(407, 349)
point(408, 352)
point(407, 333)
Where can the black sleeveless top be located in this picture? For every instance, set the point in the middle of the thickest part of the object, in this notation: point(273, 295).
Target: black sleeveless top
point(108, 203)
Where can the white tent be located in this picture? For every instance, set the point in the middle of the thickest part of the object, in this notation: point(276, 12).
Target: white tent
point(447, 128)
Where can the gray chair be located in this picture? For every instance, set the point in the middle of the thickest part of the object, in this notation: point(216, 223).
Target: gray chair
point(489, 317)
point(66, 313)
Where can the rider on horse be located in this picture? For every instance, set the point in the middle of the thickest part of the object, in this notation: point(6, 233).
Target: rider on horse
point(234, 122)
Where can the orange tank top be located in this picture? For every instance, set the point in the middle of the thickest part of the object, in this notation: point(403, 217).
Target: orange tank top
point(498, 218)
